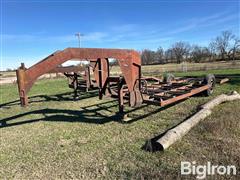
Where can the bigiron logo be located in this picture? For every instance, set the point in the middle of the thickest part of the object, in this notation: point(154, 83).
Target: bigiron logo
point(202, 171)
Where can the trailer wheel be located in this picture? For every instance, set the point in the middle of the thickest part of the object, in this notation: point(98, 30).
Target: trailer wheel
point(209, 80)
point(168, 78)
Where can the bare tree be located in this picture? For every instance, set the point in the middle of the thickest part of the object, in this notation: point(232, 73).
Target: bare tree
point(199, 53)
point(212, 50)
point(147, 56)
point(180, 50)
point(222, 43)
point(159, 55)
point(168, 54)
point(235, 47)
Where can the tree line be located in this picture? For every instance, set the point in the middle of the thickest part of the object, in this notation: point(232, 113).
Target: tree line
point(226, 46)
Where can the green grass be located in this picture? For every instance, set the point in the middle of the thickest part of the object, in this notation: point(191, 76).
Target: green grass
point(215, 72)
point(55, 137)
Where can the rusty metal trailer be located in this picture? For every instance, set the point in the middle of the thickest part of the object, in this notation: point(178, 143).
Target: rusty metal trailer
point(129, 87)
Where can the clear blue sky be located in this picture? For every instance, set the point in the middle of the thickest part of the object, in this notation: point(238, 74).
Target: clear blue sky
point(31, 30)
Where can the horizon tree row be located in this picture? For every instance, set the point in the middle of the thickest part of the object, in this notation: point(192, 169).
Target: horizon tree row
point(226, 46)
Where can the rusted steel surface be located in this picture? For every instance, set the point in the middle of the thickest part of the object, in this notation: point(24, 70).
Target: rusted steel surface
point(129, 87)
point(129, 62)
point(184, 96)
point(163, 94)
point(21, 79)
point(67, 69)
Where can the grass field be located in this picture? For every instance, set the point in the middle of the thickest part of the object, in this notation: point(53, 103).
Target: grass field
point(56, 137)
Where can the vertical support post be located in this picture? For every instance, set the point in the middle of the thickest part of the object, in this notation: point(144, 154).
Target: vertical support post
point(88, 77)
point(107, 74)
point(123, 116)
point(135, 95)
point(75, 84)
point(21, 85)
point(100, 77)
point(120, 97)
point(139, 75)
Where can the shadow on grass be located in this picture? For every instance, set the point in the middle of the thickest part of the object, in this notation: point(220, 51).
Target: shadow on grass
point(234, 81)
point(68, 96)
point(88, 114)
point(94, 114)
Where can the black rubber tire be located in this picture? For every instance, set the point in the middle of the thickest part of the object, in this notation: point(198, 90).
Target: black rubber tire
point(168, 78)
point(210, 80)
